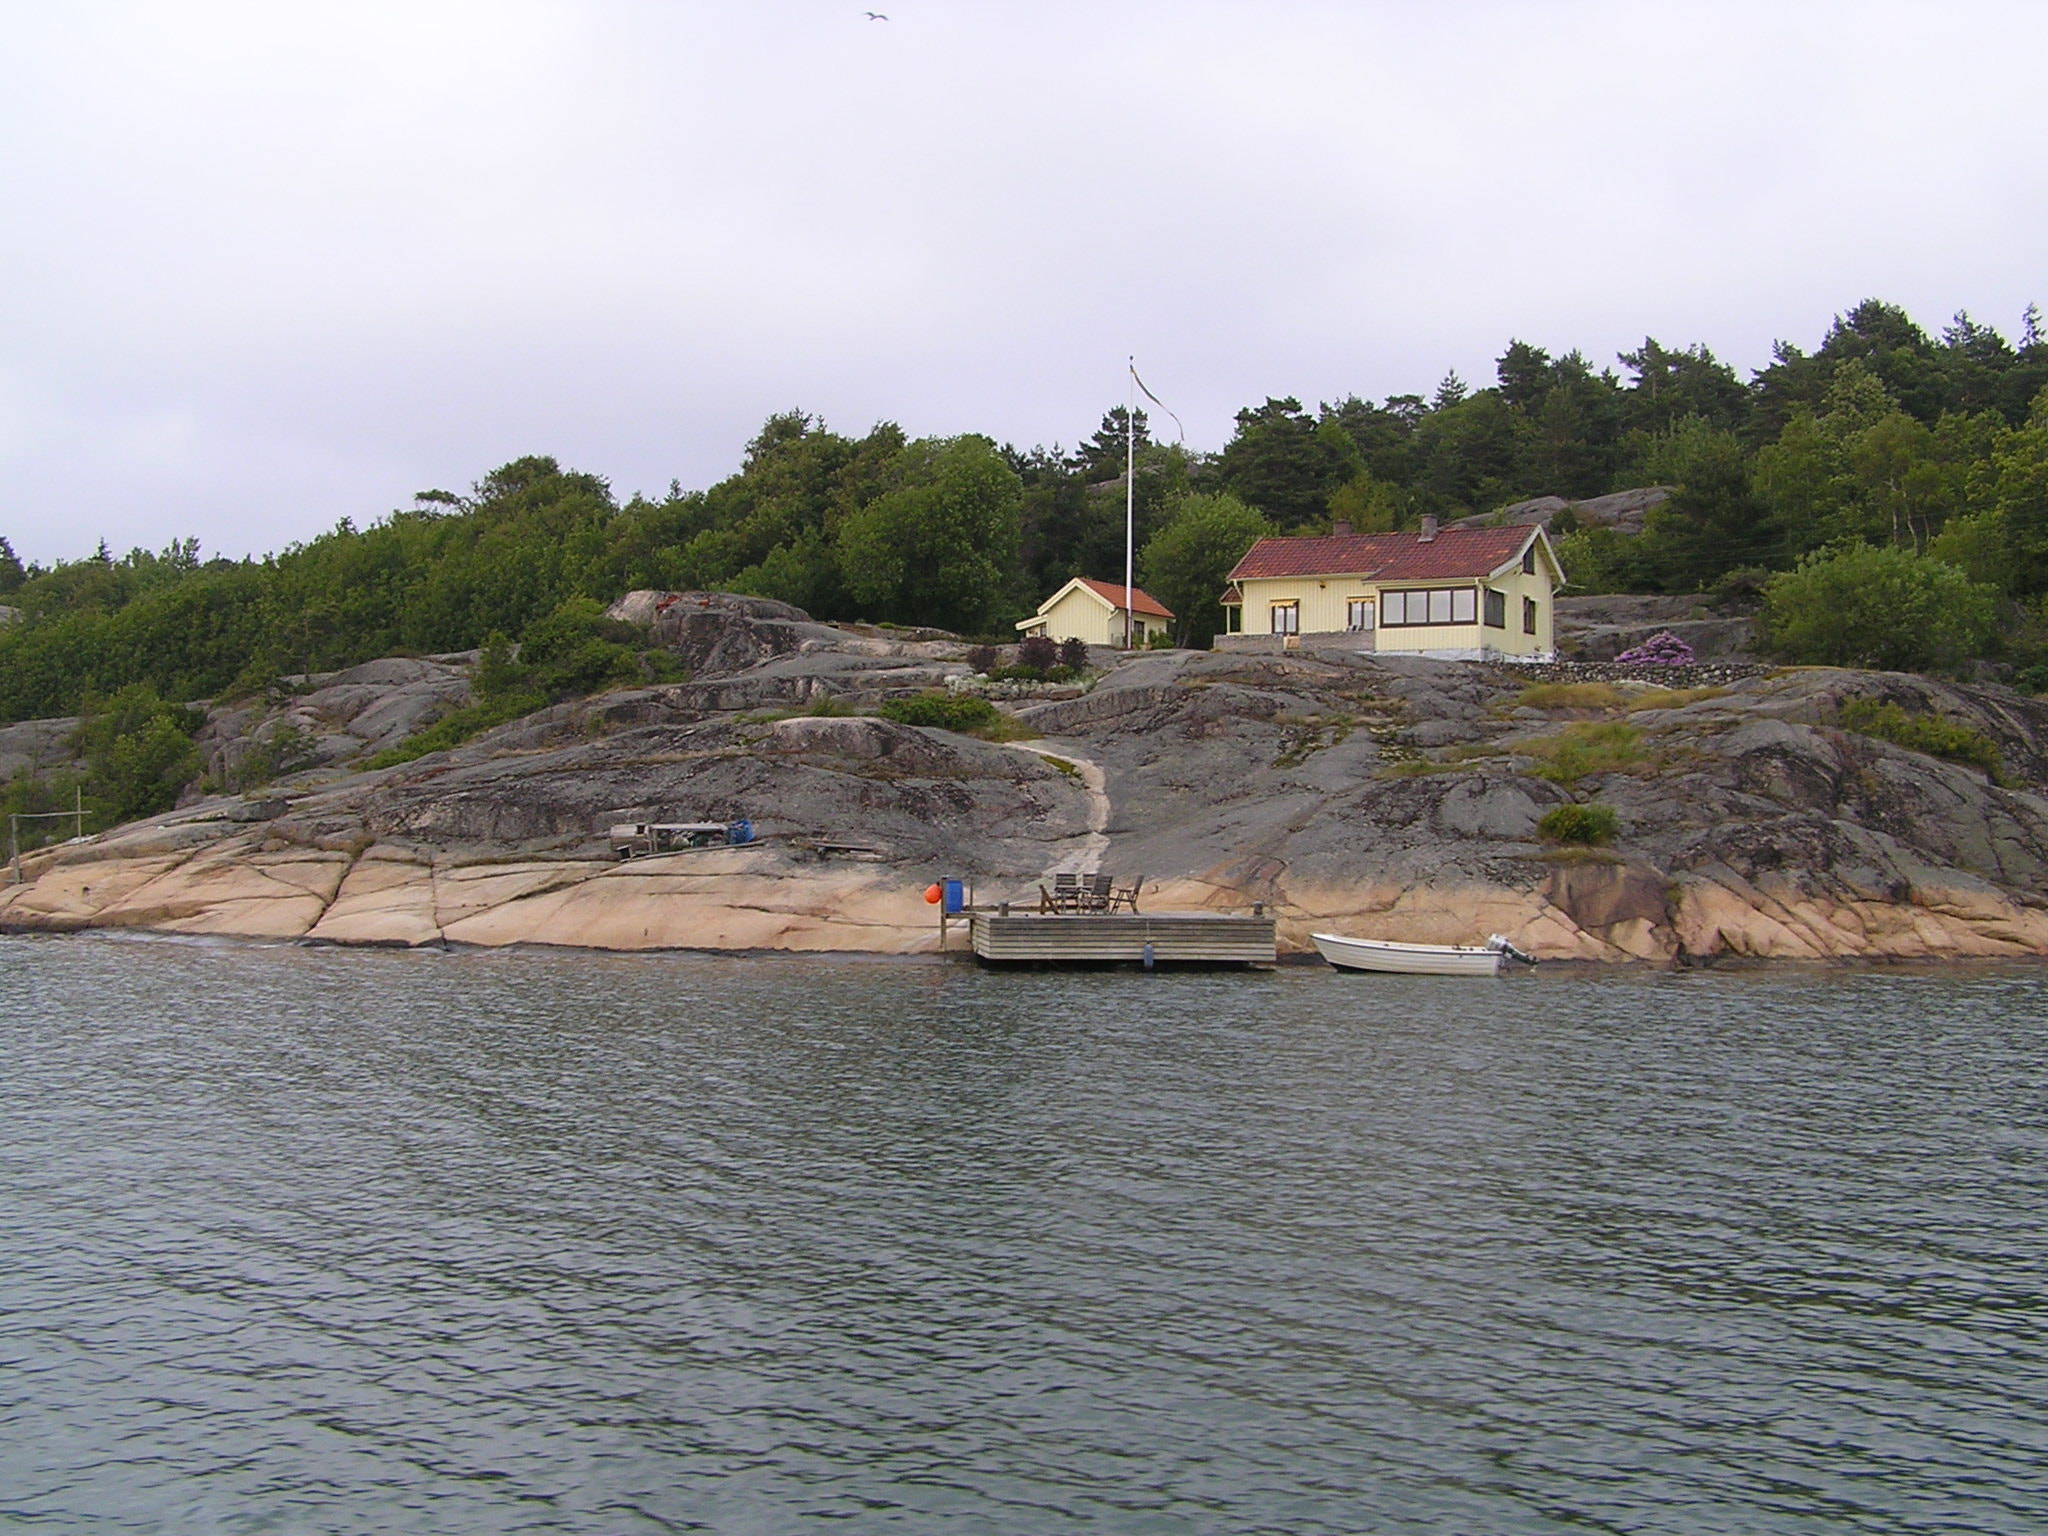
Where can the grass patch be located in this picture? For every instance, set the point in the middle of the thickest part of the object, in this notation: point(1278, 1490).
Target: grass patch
point(1415, 768)
point(1069, 769)
point(1674, 698)
point(1607, 746)
point(1585, 826)
point(1569, 696)
point(453, 729)
point(1008, 728)
point(1577, 853)
point(1311, 734)
point(1931, 734)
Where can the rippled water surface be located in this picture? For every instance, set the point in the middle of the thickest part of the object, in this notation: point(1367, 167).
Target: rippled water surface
point(298, 1240)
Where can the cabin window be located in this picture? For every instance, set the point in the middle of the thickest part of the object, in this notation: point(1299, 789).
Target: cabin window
point(1528, 615)
point(1287, 618)
point(1358, 614)
point(1437, 605)
point(1496, 609)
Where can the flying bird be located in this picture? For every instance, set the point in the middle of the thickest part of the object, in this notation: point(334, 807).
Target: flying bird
point(874, 16)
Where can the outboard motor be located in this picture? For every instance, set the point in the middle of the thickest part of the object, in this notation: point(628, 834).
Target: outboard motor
point(1502, 946)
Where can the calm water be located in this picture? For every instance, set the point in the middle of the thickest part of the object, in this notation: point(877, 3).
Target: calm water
point(311, 1241)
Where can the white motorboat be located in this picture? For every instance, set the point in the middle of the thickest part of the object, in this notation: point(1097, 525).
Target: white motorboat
point(1487, 959)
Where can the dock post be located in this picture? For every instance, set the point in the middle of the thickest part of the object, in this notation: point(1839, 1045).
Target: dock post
point(1148, 954)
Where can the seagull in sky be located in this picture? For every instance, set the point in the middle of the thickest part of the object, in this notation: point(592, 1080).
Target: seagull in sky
point(874, 16)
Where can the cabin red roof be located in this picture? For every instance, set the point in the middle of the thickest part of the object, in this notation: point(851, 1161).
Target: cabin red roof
point(1141, 601)
point(1454, 554)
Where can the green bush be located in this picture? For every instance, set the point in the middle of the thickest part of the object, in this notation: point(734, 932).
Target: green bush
point(285, 750)
point(1863, 605)
point(577, 650)
point(946, 711)
point(138, 753)
point(1583, 825)
point(1932, 734)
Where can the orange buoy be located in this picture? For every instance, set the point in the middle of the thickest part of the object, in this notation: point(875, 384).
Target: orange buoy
point(932, 893)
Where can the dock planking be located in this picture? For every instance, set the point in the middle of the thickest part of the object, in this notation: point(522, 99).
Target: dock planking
point(1173, 938)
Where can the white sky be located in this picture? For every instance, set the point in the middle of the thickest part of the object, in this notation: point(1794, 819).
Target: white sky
point(266, 265)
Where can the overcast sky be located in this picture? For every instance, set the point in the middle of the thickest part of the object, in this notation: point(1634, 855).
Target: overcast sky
point(266, 265)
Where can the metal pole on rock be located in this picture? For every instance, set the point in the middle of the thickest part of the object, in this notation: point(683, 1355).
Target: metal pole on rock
point(1130, 492)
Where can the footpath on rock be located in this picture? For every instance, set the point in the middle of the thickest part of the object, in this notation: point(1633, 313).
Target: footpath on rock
point(1376, 796)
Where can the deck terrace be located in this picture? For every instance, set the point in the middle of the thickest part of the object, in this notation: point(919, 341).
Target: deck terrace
point(1166, 938)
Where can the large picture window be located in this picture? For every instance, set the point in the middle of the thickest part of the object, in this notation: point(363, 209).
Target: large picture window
point(1433, 605)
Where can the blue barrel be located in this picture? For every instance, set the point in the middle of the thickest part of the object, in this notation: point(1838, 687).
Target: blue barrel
point(738, 832)
point(955, 895)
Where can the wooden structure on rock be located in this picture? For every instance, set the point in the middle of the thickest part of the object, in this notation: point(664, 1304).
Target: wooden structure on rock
point(1175, 938)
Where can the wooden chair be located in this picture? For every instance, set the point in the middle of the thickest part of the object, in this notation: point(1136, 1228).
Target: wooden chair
point(1095, 895)
point(1126, 896)
point(1066, 893)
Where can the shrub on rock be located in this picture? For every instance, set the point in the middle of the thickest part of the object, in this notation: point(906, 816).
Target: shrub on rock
point(1583, 826)
point(945, 711)
point(1660, 650)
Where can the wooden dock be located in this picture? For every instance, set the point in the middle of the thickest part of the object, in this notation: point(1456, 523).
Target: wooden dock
point(1167, 938)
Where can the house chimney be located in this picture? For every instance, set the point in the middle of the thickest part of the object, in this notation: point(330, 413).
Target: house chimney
point(1428, 528)
point(1340, 529)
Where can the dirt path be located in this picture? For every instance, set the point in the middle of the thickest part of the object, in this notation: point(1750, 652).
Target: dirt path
point(1085, 856)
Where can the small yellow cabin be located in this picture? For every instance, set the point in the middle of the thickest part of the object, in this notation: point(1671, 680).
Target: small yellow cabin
point(1456, 593)
point(1093, 611)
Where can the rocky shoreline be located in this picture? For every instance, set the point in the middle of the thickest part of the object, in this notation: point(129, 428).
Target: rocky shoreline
point(1377, 796)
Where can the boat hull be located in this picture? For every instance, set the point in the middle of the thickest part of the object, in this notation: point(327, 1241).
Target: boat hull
point(1408, 959)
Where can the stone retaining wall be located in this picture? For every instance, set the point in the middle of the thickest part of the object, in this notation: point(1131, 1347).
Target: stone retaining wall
point(1700, 674)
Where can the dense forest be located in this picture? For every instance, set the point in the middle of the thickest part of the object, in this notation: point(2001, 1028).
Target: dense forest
point(1925, 458)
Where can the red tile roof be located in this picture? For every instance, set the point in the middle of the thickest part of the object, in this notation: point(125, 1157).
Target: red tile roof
point(1454, 554)
point(1113, 594)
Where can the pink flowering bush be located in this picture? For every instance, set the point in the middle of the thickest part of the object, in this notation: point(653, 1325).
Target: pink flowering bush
point(1660, 650)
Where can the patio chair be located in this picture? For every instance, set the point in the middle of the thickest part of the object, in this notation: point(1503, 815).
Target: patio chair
point(1095, 895)
point(1126, 896)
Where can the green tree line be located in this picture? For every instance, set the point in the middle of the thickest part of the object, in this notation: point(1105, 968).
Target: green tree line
point(1883, 437)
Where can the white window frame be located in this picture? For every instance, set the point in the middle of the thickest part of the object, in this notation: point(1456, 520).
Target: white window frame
point(1442, 608)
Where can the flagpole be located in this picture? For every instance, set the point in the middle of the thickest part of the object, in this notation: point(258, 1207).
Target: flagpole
point(1130, 492)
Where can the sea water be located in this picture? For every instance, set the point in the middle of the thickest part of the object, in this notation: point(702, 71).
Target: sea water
point(298, 1240)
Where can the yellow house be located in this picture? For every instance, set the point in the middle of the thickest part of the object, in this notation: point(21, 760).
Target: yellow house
point(1456, 592)
point(1094, 611)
